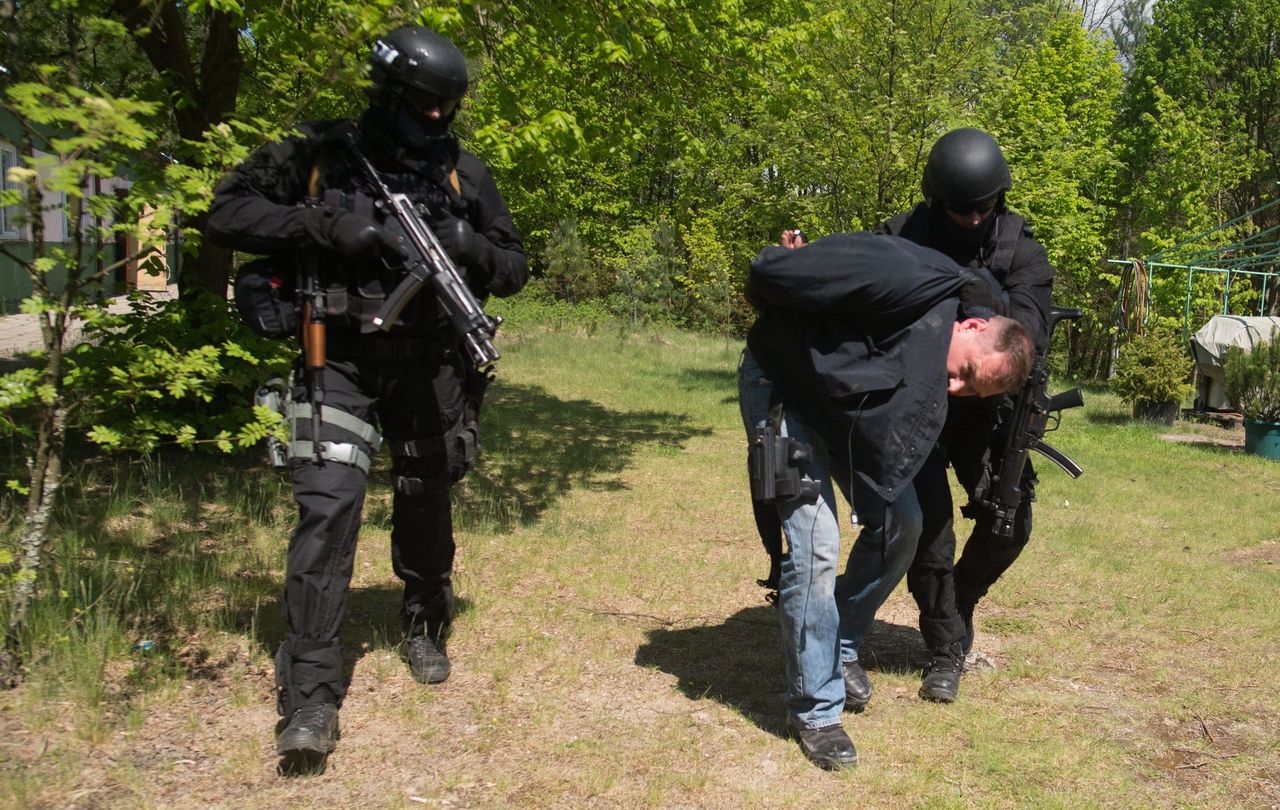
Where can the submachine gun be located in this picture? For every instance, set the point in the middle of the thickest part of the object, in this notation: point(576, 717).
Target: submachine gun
point(1034, 414)
point(427, 263)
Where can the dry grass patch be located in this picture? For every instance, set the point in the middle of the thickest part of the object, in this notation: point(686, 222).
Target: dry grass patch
point(613, 650)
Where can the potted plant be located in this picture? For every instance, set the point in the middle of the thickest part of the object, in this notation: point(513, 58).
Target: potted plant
point(1252, 382)
point(1152, 374)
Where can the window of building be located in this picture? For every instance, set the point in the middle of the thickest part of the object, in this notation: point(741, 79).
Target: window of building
point(9, 228)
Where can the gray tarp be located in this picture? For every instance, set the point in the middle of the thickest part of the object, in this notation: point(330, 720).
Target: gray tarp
point(1209, 347)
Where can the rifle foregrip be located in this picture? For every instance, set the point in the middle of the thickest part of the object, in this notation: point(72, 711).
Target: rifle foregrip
point(312, 338)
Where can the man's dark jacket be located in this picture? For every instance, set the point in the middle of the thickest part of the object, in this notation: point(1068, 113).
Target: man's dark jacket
point(854, 331)
point(1008, 250)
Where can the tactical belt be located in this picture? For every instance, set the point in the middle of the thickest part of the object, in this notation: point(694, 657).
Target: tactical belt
point(345, 342)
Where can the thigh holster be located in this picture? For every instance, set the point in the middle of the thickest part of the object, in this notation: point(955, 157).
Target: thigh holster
point(438, 461)
point(341, 452)
point(774, 463)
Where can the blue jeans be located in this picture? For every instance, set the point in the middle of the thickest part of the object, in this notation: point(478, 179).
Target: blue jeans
point(818, 610)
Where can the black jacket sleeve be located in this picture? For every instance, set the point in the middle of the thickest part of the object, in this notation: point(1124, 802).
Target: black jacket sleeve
point(1029, 284)
point(500, 261)
point(257, 207)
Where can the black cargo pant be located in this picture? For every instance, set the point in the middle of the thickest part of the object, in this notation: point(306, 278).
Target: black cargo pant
point(940, 583)
point(415, 393)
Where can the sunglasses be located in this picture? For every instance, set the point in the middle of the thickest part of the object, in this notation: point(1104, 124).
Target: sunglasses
point(966, 208)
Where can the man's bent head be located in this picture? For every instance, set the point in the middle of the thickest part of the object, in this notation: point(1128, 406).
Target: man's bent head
point(988, 357)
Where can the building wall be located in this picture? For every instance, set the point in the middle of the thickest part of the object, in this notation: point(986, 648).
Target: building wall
point(15, 284)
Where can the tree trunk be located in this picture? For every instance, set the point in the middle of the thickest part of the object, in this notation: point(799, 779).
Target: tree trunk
point(45, 468)
point(212, 86)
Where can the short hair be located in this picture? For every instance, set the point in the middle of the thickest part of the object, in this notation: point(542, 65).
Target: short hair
point(1008, 337)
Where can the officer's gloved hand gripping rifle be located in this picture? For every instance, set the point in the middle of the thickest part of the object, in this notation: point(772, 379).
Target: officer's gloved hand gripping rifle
point(426, 262)
point(1000, 490)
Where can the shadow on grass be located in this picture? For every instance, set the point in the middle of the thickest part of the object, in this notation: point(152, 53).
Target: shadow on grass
point(739, 662)
point(538, 447)
point(154, 545)
point(372, 623)
point(710, 379)
point(1108, 417)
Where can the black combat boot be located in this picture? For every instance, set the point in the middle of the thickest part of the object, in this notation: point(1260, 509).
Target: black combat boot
point(427, 660)
point(829, 747)
point(310, 736)
point(942, 675)
point(857, 686)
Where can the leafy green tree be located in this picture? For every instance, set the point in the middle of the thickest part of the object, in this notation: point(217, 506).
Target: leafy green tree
point(879, 82)
point(1202, 110)
point(1055, 122)
point(69, 134)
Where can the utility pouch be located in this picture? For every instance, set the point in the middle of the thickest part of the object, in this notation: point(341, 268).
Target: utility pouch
point(264, 296)
point(774, 464)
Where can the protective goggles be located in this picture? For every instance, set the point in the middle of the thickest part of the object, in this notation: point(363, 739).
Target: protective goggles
point(983, 207)
point(424, 102)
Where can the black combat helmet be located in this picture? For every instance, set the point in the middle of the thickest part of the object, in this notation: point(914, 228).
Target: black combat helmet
point(965, 166)
point(412, 56)
point(418, 80)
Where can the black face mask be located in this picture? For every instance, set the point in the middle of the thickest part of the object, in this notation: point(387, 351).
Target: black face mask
point(415, 133)
point(957, 236)
point(399, 135)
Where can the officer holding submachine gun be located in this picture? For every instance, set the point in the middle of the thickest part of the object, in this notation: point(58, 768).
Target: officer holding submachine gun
point(986, 441)
point(383, 239)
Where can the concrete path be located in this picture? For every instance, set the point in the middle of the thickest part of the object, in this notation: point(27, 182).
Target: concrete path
point(21, 333)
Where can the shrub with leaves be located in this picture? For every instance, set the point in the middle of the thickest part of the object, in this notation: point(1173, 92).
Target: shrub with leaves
point(181, 371)
point(1153, 368)
point(1252, 379)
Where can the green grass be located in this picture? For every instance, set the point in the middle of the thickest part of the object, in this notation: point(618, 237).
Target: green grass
point(612, 648)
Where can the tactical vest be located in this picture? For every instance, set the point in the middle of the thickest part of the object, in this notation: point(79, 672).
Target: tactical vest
point(356, 292)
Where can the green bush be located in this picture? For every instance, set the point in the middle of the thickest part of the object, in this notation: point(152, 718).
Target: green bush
point(1152, 369)
point(180, 371)
point(1252, 379)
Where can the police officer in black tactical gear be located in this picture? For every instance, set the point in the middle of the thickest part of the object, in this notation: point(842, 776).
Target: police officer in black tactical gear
point(964, 216)
point(305, 202)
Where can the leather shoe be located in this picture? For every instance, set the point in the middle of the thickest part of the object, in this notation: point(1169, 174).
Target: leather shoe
point(857, 686)
point(828, 747)
point(941, 680)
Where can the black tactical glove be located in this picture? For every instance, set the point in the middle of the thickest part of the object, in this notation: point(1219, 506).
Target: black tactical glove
point(352, 236)
point(458, 239)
